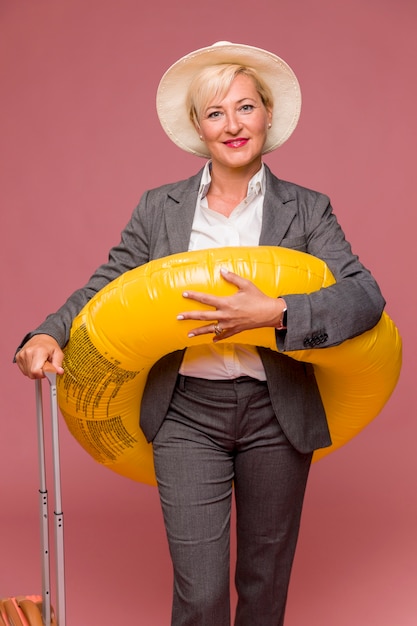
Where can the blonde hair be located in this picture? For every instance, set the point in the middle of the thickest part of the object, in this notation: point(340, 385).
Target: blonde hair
point(214, 81)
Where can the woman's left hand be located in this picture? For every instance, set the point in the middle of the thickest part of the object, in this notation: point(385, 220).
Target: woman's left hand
point(248, 308)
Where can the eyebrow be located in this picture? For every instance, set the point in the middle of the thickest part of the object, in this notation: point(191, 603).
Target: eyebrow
point(219, 106)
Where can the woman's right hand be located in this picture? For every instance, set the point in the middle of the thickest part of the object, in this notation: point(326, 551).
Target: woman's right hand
point(33, 354)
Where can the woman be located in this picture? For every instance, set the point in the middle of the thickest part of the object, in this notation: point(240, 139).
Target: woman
point(228, 414)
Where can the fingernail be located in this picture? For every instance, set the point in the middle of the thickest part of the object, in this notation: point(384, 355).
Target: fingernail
point(224, 270)
point(191, 335)
point(185, 294)
point(180, 317)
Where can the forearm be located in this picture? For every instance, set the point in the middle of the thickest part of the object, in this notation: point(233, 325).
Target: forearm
point(336, 313)
point(131, 252)
point(58, 324)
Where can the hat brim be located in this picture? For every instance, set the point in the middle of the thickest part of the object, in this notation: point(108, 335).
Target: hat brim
point(173, 89)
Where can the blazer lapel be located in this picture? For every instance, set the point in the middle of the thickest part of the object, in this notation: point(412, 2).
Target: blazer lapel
point(278, 212)
point(179, 213)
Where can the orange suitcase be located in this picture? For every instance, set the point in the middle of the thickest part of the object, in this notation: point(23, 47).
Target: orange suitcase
point(24, 611)
point(37, 610)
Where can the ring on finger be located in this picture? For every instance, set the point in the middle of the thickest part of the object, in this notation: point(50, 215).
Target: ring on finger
point(217, 329)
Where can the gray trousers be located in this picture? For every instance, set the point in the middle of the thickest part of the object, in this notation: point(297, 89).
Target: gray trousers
point(220, 434)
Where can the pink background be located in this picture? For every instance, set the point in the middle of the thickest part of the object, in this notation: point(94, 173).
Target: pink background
point(79, 143)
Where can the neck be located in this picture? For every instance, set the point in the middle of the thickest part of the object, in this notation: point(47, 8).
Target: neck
point(229, 186)
point(231, 180)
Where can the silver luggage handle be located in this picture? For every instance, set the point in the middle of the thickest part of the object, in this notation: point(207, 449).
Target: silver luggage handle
point(50, 375)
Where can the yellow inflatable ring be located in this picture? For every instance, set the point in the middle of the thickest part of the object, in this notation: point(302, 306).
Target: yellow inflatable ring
point(131, 323)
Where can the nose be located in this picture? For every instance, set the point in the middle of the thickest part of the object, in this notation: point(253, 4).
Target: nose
point(233, 123)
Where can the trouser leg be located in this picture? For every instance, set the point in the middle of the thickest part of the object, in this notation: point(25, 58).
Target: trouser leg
point(195, 477)
point(270, 481)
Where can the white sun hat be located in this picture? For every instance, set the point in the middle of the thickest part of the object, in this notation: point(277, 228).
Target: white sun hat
point(174, 85)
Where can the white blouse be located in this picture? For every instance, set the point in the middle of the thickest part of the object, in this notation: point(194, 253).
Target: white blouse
point(213, 230)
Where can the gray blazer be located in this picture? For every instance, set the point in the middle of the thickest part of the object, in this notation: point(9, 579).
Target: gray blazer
point(293, 217)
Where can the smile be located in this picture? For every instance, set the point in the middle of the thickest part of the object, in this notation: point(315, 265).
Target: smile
point(236, 143)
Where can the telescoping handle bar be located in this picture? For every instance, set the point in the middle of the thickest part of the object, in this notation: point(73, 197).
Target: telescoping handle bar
point(50, 375)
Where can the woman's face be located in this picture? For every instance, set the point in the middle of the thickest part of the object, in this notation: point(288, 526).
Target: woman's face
point(234, 129)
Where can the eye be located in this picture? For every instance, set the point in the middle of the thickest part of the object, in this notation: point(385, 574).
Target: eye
point(214, 114)
point(247, 108)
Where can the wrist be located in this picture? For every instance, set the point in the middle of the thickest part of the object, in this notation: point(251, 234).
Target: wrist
point(282, 322)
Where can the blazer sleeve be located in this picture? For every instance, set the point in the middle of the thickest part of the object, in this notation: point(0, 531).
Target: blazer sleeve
point(132, 251)
point(351, 306)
